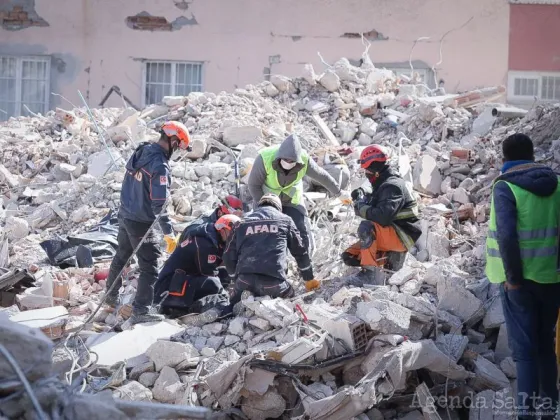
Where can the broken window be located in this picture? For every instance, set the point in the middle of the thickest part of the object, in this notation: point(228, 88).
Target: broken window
point(24, 85)
point(166, 78)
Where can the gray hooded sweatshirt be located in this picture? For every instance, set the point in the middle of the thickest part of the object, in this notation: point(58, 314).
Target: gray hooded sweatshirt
point(289, 149)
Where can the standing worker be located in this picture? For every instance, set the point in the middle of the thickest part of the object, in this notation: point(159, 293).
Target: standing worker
point(191, 272)
point(390, 214)
point(280, 170)
point(144, 192)
point(257, 253)
point(522, 255)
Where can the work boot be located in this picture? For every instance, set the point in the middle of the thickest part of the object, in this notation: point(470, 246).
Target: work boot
point(112, 301)
point(150, 316)
point(372, 275)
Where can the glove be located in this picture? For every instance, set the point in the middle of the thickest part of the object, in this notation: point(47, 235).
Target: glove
point(312, 285)
point(170, 243)
point(361, 208)
point(345, 198)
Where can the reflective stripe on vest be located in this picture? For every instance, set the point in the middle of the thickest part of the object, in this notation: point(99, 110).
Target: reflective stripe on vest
point(407, 213)
point(293, 190)
point(537, 230)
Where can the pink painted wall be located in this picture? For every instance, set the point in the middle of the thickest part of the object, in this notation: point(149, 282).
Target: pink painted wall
point(534, 37)
point(93, 48)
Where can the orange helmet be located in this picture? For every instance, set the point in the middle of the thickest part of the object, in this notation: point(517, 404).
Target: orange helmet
point(230, 204)
point(373, 153)
point(177, 129)
point(227, 222)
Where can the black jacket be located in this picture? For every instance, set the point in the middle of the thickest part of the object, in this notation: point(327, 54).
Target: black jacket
point(196, 223)
point(260, 244)
point(537, 179)
point(388, 197)
point(146, 186)
point(199, 254)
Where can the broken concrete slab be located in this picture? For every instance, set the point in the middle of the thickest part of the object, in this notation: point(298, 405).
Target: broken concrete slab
point(502, 347)
point(234, 136)
point(384, 316)
point(130, 344)
point(169, 353)
point(426, 175)
point(509, 367)
point(456, 299)
point(49, 320)
point(330, 81)
point(402, 276)
point(494, 316)
point(168, 387)
point(454, 345)
point(271, 405)
point(148, 379)
point(488, 375)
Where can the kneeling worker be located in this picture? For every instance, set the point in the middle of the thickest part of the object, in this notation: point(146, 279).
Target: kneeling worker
point(189, 279)
point(390, 213)
point(257, 253)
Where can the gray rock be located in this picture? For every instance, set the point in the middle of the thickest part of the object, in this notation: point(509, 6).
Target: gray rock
point(384, 316)
point(168, 353)
point(475, 337)
point(200, 343)
point(330, 81)
point(402, 276)
point(502, 349)
point(237, 326)
point(454, 345)
point(234, 136)
point(494, 314)
point(214, 328)
point(231, 339)
point(488, 375)
point(148, 379)
point(282, 83)
point(168, 386)
point(137, 371)
point(215, 342)
point(454, 298)
point(271, 405)
point(509, 368)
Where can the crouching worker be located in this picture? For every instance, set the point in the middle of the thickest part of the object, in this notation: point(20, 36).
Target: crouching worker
point(257, 253)
point(189, 281)
point(390, 212)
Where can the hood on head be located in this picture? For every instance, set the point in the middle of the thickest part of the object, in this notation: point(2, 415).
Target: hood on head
point(143, 154)
point(289, 149)
point(533, 177)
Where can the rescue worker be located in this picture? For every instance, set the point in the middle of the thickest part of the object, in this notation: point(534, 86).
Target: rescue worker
point(230, 204)
point(390, 213)
point(191, 272)
point(144, 192)
point(522, 256)
point(280, 170)
point(257, 253)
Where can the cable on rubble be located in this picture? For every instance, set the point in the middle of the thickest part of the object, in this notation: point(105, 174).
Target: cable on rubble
point(40, 413)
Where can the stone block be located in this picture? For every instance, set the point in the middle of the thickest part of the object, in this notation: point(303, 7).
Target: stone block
point(169, 353)
point(456, 299)
point(168, 387)
point(494, 316)
point(488, 375)
point(148, 379)
point(384, 316)
point(133, 391)
point(502, 349)
point(402, 276)
point(330, 81)
point(426, 175)
point(234, 136)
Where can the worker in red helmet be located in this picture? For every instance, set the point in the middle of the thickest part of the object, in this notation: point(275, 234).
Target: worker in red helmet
point(144, 192)
point(390, 214)
point(189, 280)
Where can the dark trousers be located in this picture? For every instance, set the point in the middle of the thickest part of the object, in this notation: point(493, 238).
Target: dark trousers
point(302, 223)
point(130, 235)
point(260, 285)
point(531, 313)
point(184, 290)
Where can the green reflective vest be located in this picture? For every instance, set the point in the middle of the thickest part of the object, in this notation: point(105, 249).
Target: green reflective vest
point(537, 228)
point(271, 185)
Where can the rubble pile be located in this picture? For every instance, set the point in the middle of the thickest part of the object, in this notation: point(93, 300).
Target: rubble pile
point(349, 350)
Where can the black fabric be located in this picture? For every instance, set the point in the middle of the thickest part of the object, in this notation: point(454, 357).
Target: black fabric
point(350, 260)
point(101, 241)
point(389, 196)
point(146, 186)
point(197, 287)
point(366, 233)
point(260, 244)
point(302, 224)
point(537, 179)
point(198, 254)
point(260, 285)
point(202, 220)
point(130, 235)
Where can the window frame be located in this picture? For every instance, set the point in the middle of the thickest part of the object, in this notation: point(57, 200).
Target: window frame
point(20, 59)
point(538, 75)
point(174, 83)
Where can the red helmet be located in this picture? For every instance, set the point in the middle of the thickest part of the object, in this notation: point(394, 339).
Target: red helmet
point(227, 222)
point(230, 204)
point(373, 153)
point(177, 129)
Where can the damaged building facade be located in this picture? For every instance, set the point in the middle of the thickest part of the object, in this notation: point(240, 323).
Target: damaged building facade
point(172, 47)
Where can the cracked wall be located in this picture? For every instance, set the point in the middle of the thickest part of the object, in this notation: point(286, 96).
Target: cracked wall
point(19, 14)
point(144, 21)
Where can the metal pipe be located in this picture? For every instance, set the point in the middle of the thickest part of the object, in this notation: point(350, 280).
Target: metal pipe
point(508, 112)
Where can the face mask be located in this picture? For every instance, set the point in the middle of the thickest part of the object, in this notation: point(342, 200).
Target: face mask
point(286, 165)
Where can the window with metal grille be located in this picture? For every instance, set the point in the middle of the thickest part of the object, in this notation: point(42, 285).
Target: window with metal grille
point(526, 87)
point(24, 85)
point(550, 88)
point(167, 78)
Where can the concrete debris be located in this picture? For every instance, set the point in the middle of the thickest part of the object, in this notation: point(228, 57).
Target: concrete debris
point(61, 179)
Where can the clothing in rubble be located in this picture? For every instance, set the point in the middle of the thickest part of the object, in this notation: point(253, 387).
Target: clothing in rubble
point(268, 175)
point(257, 254)
point(391, 219)
point(191, 272)
point(522, 256)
